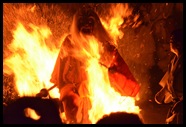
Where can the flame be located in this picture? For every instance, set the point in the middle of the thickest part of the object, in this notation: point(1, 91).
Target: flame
point(104, 99)
point(115, 21)
point(32, 61)
point(31, 113)
point(117, 13)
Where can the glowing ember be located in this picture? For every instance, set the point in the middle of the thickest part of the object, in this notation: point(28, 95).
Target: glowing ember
point(32, 61)
point(31, 113)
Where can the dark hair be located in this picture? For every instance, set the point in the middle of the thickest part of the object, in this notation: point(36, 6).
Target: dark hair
point(120, 118)
point(177, 39)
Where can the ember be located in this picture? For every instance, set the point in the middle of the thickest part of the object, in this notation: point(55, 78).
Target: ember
point(29, 112)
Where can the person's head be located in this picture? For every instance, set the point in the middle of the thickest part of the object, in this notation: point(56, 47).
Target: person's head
point(120, 118)
point(87, 22)
point(86, 19)
point(176, 41)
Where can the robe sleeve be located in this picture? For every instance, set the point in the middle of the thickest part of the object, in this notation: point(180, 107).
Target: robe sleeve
point(68, 69)
point(62, 58)
point(121, 77)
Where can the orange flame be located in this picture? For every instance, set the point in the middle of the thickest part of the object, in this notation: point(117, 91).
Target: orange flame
point(115, 21)
point(32, 61)
point(31, 113)
point(104, 99)
point(117, 13)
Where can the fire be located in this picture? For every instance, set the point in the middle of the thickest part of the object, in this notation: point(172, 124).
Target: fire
point(115, 21)
point(117, 13)
point(31, 113)
point(104, 99)
point(32, 61)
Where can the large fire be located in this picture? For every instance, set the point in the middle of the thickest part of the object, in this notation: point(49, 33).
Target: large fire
point(33, 60)
point(104, 98)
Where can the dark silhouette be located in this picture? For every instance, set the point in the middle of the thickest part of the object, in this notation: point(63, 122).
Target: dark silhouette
point(46, 108)
point(172, 81)
point(120, 118)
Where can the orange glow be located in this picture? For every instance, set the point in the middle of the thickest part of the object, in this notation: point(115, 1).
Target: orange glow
point(117, 13)
point(31, 114)
point(104, 98)
point(115, 21)
point(32, 61)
